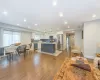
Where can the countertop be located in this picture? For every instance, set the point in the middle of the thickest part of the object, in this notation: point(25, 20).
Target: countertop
point(45, 42)
point(48, 43)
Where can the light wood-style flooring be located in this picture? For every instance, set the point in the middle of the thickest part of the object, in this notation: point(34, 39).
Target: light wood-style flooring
point(36, 66)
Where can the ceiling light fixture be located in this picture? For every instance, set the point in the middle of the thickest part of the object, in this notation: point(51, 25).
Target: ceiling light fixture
point(51, 30)
point(93, 15)
point(35, 24)
point(5, 13)
point(54, 3)
point(61, 14)
point(65, 22)
point(68, 26)
point(24, 20)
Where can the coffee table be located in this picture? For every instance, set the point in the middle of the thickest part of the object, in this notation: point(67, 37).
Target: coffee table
point(68, 72)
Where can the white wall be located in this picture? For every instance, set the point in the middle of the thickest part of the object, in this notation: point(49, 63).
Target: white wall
point(78, 38)
point(64, 41)
point(50, 34)
point(91, 38)
point(45, 36)
point(1, 37)
point(60, 32)
point(26, 37)
point(25, 33)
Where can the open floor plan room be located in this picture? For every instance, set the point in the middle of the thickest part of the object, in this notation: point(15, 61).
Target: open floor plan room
point(49, 39)
point(33, 67)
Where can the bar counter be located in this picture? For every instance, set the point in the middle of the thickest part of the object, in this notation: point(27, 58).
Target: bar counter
point(48, 47)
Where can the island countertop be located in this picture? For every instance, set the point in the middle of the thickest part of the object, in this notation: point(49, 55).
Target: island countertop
point(48, 42)
point(48, 47)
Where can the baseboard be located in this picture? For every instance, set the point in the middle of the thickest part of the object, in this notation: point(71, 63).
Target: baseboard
point(90, 57)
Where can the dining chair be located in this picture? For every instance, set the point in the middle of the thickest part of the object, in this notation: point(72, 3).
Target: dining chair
point(2, 52)
point(21, 49)
point(28, 48)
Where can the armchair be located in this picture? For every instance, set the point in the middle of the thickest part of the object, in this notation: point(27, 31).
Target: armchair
point(75, 51)
point(21, 49)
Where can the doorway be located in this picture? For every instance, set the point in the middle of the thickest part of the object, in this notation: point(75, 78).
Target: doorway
point(70, 42)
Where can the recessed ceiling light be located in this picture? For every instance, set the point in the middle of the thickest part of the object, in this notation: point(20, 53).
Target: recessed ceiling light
point(24, 20)
point(54, 3)
point(65, 22)
point(93, 15)
point(17, 24)
point(5, 13)
point(68, 26)
point(35, 24)
point(61, 14)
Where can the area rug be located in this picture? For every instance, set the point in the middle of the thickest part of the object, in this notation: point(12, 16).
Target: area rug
point(53, 54)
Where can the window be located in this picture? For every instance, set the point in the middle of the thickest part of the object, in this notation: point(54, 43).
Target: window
point(16, 37)
point(10, 37)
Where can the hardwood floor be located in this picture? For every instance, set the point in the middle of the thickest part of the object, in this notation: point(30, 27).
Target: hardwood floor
point(37, 66)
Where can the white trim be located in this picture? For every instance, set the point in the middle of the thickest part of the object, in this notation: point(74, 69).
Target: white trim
point(16, 28)
point(90, 57)
point(53, 54)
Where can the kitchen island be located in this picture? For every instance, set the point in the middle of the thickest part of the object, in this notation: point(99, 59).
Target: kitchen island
point(48, 47)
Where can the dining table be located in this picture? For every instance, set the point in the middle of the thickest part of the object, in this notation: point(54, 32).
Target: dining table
point(10, 50)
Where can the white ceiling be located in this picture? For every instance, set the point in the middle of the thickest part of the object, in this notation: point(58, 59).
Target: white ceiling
point(43, 13)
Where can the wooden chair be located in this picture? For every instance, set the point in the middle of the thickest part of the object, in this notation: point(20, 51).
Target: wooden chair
point(31, 48)
point(75, 51)
point(96, 63)
point(28, 48)
point(97, 68)
point(21, 49)
point(98, 54)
